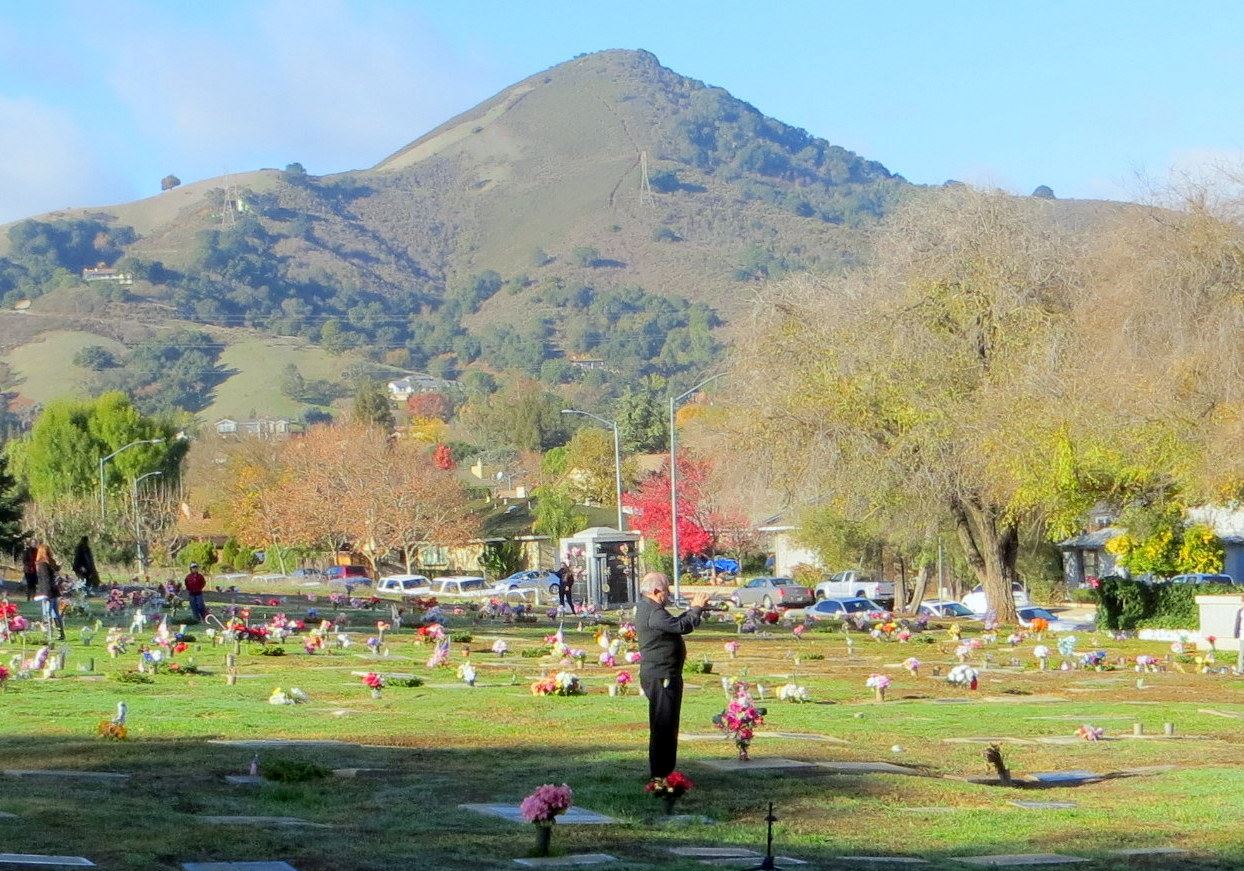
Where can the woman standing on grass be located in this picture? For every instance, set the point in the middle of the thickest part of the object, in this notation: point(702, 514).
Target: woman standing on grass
point(29, 571)
point(47, 590)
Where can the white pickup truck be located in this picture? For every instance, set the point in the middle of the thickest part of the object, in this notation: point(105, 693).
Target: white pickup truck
point(855, 583)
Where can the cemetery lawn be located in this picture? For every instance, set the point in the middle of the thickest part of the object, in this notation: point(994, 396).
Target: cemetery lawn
point(431, 748)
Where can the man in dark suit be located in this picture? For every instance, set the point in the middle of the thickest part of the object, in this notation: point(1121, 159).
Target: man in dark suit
point(663, 653)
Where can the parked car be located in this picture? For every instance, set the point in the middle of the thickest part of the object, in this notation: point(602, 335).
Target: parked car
point(943, 608)
point(856, 584)
point(307, 574)
point(772, 593)
point(532, 579)
point(1030, 613)
point(348, 574)
point(1202, 578)
point(462, 585)
point(976, 599)
point(836, 609)
point(404, 585)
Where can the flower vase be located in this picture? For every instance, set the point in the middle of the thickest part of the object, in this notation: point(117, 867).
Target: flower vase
point(667, 803)
point(743, 757)
point(375, 693)
point(544, 837)
point(880, 694)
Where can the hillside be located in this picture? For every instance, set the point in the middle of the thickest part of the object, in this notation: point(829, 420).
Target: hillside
point(607, 208)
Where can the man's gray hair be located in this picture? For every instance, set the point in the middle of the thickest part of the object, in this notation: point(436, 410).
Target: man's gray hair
point(651, 582)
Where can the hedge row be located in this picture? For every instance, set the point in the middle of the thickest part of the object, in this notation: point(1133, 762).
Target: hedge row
point(1126, 604)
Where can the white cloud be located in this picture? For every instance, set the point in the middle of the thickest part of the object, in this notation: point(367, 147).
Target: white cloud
point(47, 161)
point(332, 85)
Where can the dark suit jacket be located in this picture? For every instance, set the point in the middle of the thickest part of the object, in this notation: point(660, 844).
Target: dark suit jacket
point(662, 649)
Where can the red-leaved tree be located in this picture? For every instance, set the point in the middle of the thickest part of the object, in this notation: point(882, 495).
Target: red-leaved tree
point(430, 404)
point(443, 456)
point(651, 507)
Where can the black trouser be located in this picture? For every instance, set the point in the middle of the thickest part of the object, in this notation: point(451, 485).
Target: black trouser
point(32, 581)
point(664, 709)
point(564, 596)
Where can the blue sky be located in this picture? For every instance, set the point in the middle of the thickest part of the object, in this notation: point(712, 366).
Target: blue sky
point(1096, 99)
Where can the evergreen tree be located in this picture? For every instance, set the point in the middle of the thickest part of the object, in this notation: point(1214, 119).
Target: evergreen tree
point(371, 406)
point(641, 420)
point(11, 499)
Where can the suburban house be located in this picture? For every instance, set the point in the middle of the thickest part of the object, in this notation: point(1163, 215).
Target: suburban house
point(261, 427)
point(404, 388)
point(1085, 556)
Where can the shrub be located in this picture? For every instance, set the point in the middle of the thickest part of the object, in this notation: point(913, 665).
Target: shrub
point(535, 652)
point(132, 677)
point(1127, 604)
point(412, 681)
point(460, 637)
point(702, 666)
point(293, 771)
point(202, 552)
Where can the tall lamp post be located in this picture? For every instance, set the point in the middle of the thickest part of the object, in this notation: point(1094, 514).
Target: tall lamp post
point(138, 535)
point(617, 456)
point(674, 400)
point(102, 460)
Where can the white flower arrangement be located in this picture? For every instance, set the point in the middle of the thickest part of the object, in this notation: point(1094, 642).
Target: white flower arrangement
point(793, 693)
point(963, 675)
point(466, 673)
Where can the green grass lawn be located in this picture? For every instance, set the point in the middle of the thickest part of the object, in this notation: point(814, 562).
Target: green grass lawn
point(444, 744)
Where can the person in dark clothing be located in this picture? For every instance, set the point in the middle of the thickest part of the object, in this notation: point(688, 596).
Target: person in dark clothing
point(195, 584)
point(29, 571)
point(47, 590)
point(565, 587)
point(84, 565)
point(662, 654)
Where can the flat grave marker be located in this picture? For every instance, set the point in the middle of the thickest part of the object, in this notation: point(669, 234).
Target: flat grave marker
point(1142, 852)
point(5, 815)
point(33, 859)
point(1069, 778)
point(261, 821)
point(567, 861)
point(715, 853)
point(770, 763)
point(96, 776)
point(868, 768)
point(576, 816)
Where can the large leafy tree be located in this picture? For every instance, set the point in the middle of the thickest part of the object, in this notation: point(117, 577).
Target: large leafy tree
point(888, 390)
point(642, 418)
point(371, 406)
point(60, 457)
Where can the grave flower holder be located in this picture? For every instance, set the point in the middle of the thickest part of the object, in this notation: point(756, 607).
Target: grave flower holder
point(544, 837)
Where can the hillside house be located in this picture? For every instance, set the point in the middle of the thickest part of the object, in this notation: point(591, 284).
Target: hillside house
point(260, 428)
point(404, 388)
point(103, 272)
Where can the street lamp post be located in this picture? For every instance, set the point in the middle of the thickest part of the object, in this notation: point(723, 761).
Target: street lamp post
point(674, 400)
point(102, 460)
point(138, 539)
point(617, 457)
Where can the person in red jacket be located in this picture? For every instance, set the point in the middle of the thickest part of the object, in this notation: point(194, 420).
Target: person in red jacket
point(195, 584)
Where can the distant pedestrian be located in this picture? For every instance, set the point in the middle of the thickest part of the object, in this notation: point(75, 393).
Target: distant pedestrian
point(565, 587)
point(195, 584)
point(660, 669)
point(29, 572)
point(84, 566)
point(47, 589)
